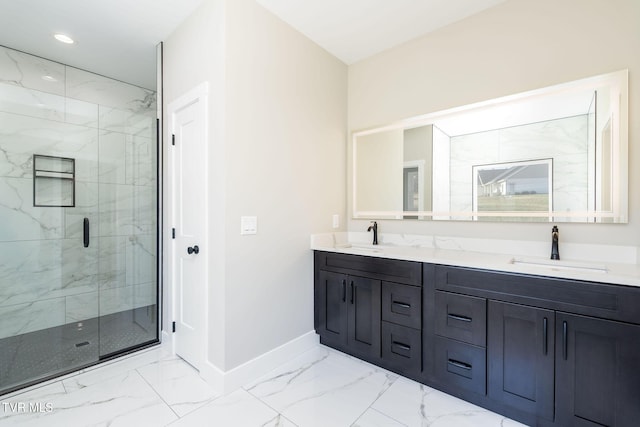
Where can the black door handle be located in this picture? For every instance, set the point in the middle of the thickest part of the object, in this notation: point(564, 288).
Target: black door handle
point(193, 250)
point(564, 339)
point(544, 336)
point(85, 229)
point(352, 292)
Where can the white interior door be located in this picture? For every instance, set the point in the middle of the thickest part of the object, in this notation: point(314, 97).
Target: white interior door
point(189, 212)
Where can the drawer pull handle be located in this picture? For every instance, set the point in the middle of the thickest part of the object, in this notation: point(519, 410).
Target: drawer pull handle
point(401, 304)
point(460, 365)
point(460, 318)
point(401, 345)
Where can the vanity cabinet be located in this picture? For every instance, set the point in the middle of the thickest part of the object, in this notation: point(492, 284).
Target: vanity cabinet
point(559, 352)
point(542, 350)
point(370, 308)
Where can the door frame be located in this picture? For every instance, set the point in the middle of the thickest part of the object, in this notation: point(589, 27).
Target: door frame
point(199, 94)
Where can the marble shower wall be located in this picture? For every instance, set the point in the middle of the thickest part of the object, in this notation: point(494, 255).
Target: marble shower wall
point(565, 140)
point(47, 277)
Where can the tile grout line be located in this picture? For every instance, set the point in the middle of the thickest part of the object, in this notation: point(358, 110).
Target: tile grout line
point(156, 392)
point(206, 402)
point(376, 399)
point(267, 405)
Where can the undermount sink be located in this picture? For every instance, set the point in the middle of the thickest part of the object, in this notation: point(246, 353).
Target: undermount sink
point(362, 247)
point(560, 265)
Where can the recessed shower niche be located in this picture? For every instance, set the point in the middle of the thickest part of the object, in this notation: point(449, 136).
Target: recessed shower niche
point(54, 181)
point(78, 165)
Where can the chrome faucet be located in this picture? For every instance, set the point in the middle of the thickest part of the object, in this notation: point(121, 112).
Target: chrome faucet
point(555, 254)
point(374, 227)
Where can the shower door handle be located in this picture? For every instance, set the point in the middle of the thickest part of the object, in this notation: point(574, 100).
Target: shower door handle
point(85, 238)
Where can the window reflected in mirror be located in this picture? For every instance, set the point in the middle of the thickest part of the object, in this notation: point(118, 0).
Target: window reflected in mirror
point(525, 186)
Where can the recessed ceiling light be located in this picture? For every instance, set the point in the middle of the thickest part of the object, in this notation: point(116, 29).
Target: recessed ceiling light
point(63, 38)
point(49, 78)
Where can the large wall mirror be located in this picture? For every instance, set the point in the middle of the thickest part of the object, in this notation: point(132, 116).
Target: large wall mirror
point(553, 154)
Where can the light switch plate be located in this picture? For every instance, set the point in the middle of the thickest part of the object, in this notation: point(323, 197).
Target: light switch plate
point(248, 225)
point(336, 221)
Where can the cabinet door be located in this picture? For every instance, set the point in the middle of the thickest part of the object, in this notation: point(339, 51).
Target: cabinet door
point(521, 355)
point(364, 316)
point(597, 372)
point(332, 316)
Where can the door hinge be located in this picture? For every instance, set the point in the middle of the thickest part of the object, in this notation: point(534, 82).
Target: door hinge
point(173, 327)
point(173, 139)
point(173, 233)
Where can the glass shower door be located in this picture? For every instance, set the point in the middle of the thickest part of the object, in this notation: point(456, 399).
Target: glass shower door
point(128, 236)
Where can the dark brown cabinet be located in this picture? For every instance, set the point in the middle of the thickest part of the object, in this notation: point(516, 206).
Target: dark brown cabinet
point(520, 354)
point(460, 341)
point(542, 350)
point(350, 313)
point(401, 328)
point(597, 372)
point(370, 308)
point(559, 352)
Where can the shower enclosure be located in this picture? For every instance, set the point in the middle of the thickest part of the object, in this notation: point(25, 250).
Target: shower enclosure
point(78, 218)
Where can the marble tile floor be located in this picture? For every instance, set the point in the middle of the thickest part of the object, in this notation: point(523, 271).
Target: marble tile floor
point(322, 387)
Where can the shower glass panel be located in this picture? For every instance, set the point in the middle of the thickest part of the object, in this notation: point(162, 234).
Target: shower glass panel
point(78, 218)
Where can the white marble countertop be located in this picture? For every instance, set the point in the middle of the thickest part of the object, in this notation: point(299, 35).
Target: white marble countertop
point(472, 253)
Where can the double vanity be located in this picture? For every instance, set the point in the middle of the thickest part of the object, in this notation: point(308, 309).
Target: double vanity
point(547, 343)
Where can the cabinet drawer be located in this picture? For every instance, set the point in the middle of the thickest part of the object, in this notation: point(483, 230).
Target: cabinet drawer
point(402, 304)
point(461, 317)
point(401, 348)
point(607, 301)
point(461, 365)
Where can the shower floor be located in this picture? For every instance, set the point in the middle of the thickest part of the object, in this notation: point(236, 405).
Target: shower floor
point(34, 356)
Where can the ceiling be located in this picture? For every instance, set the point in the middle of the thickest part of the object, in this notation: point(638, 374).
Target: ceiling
point(117, 38)
point(355, 29)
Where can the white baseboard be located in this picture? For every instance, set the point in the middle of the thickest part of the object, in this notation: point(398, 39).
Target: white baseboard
point(226, 382)
point(213, 376)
